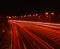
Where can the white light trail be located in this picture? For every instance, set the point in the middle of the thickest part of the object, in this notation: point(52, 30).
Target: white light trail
point(51, 25)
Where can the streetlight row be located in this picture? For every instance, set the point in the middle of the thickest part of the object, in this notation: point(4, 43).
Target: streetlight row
point(37, 14)
point(47, 14)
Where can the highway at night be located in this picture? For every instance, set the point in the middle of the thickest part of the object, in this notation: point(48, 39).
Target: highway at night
point(30, 24)
point(34, 35)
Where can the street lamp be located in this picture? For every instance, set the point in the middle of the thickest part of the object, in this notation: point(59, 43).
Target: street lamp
point(36, 14)
point(48, 16)
point(24, 16)
point(33, 15)
point(21, 16)
point(9, 17)
point(46, 13)
point(29, 15)
point(52, 13)
point(15, 16)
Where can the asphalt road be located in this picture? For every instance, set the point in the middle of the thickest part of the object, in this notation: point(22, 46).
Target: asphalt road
point(34, 35)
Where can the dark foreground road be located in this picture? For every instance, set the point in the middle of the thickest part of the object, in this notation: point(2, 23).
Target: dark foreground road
point(27, 35)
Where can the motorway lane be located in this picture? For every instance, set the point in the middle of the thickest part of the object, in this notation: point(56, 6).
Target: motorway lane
point(16, 41)
point(50, 25)
point(32, 36)
point(28, 41)
point(51, 35)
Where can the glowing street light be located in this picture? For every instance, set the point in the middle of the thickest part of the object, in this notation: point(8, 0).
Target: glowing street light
point(36, 14)
point(52, 13)
point(24, 15)
point(29, 15)
point(48, 16)
point(15, 16)
point(46, 13)
point(33, 15)
point(21, 16)
point(9, 17)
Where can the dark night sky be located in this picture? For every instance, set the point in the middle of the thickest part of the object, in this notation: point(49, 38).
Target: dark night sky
point(26, 7)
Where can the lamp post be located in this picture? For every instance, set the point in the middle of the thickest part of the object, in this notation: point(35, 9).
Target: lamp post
point(48, 16)
point(52, 15)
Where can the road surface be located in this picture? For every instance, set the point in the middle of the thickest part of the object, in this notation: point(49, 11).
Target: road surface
point(34, 35)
